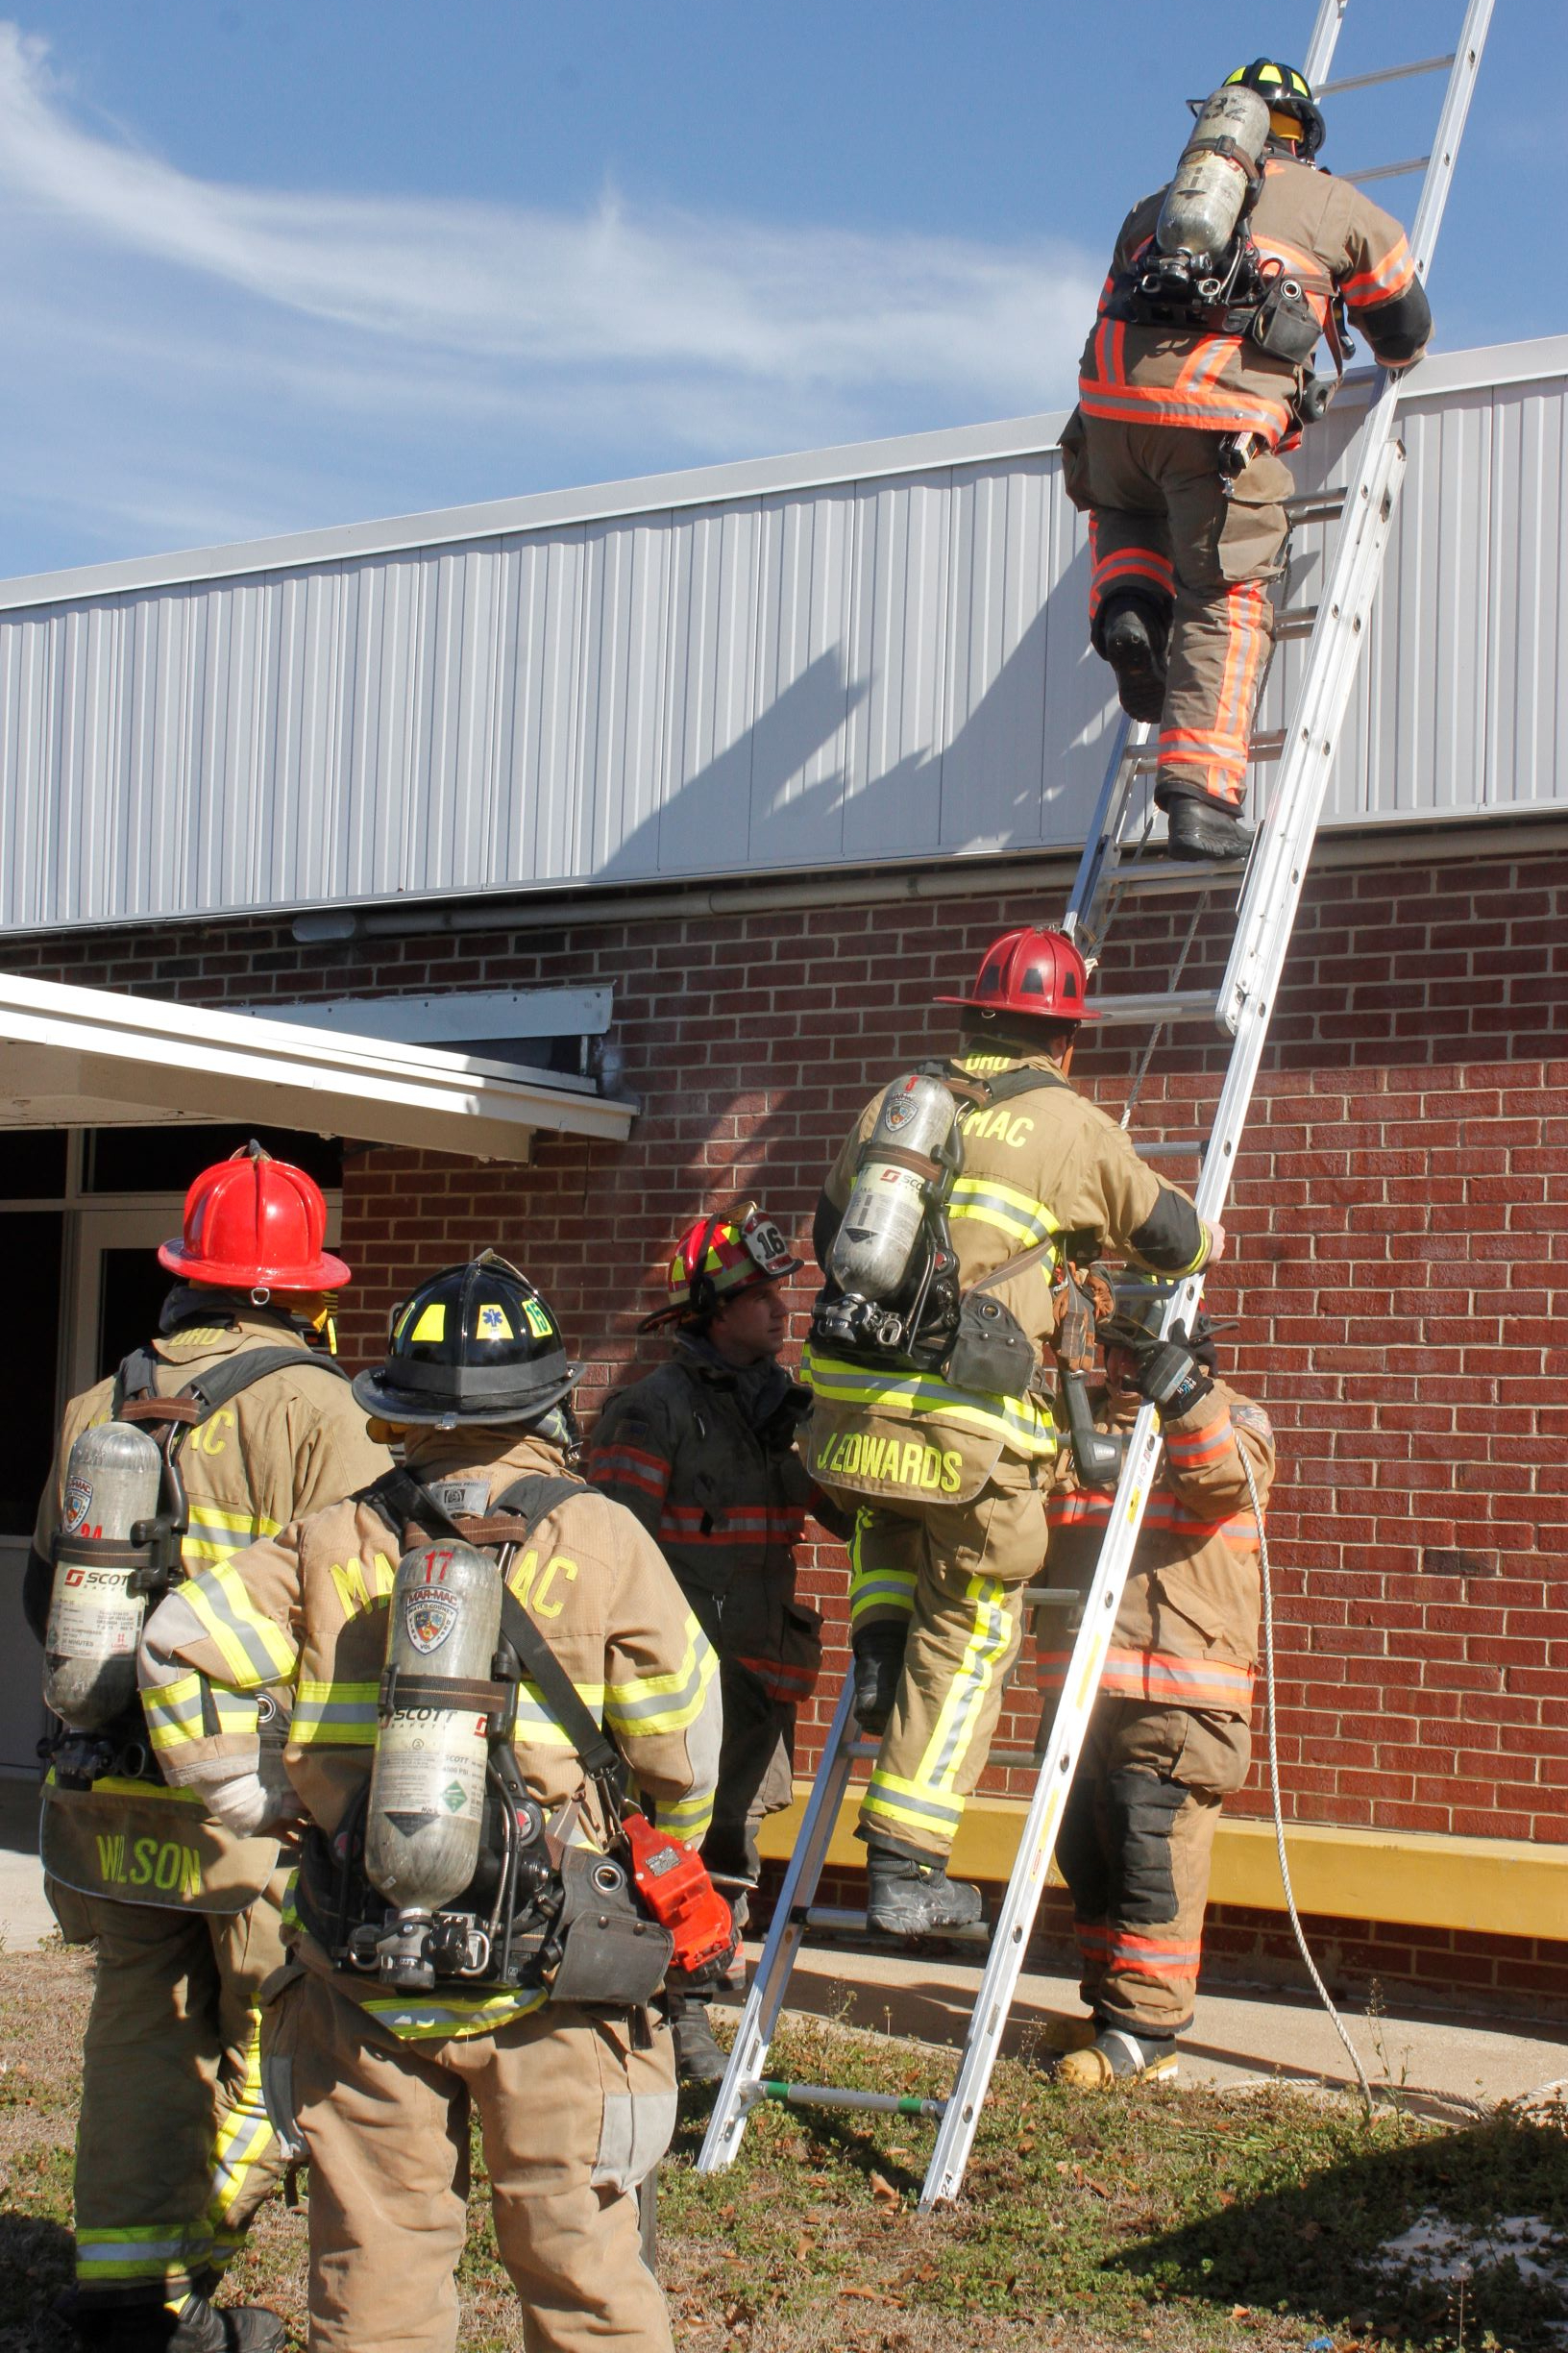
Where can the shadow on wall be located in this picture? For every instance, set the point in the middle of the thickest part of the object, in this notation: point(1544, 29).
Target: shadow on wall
point(781, 795)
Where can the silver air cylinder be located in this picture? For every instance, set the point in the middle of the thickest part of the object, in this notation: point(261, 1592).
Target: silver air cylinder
point(1204, 202)
point(427, 1784)
point(112, 1482)
point(876, 1242)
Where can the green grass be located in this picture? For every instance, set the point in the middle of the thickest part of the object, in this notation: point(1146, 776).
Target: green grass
point(1193, 2220)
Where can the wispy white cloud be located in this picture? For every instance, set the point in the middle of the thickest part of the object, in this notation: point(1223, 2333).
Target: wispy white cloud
point(250, 348)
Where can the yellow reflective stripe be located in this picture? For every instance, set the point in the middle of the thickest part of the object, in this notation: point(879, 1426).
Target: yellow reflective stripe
point(250, 1524)
point(665, 1702)
point(175, 1714)
point(334, 1716)
point(689, 1818)
point(153, 2252)
point(1017, 1214)
point(121, 1785)
point(1020, 1420)
point(454, 2014)
point(252, 1648)
point(895, 1800)
point(245, 2137)
point(991, 1635)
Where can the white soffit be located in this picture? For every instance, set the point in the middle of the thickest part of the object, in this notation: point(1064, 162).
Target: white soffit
point(468, 1015)
point(91, 1058)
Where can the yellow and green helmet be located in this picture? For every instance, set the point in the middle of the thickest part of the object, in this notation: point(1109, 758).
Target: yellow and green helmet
point(475, 1343)
point(1284, 91)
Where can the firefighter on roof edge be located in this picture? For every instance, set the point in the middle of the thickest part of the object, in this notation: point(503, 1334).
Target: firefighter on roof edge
point(1169, 1740)
point(234, 1419)
point(478, 1921)
point(946, 1230)
point(1197, 373)
point(703, 1452)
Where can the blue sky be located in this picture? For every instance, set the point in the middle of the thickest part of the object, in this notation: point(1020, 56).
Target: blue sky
point(276, 263)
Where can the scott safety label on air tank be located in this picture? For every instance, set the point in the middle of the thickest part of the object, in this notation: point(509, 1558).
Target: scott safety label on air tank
point(431, 1761)
point(92, 1616)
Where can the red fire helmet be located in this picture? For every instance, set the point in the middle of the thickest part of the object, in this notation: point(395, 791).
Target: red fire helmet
point(718, 1255)
point(1040, 973)
point(255, 1223)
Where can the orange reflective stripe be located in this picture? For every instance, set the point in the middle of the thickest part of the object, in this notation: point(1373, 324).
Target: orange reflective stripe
point(1199, 1446)
point(1161, 1679)
point(1224, 410)
point(1381, 280)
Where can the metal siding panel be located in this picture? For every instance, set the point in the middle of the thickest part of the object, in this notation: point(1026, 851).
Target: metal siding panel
point(808, 677)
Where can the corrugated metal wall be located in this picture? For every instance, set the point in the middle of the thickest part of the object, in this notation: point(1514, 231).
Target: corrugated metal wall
point(875, 670)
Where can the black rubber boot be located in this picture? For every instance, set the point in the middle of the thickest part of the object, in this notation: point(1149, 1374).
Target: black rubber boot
point(1132, 638)
point(197, 2327)
point(904, 1898)
point(879, 1666)
point(1198, 829)
point(699, 2058)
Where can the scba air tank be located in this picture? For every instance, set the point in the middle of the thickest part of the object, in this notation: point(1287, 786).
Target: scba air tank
point(1208, 194)
point(427, 1784)
point(112, 1480)
point(907, 1149)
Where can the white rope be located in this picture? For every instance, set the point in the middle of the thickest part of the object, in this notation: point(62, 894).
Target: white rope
point(1323, 1994)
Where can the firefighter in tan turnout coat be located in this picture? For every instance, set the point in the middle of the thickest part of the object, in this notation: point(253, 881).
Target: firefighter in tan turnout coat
point(702, 1451)
point(174, 2152)
point(1173, 448)
point(374, 2052)
point(1169, 1738)
point(947, 1481)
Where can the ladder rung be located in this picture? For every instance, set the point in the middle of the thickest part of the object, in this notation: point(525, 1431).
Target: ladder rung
point(1158, 872)
point(1023, 1761)
point(1160, 1005)
point(1168, 1147)
point(1299, 622)
point(1388, 171)
point(1315, 507)
point(1384, 73)
point(841, 1920)
point(1266, 746)
point(832, 2096)
point(1054, 1596)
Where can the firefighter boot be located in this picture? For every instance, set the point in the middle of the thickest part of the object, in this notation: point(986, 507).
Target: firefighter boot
point(1115, 2056)
point(1132, 638)
point(905, 1897)
point(879, 1664)
point(197, 2327)
point(699, 2058)
point(1203, 829)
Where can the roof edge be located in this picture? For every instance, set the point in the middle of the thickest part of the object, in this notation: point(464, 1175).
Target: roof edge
point(1484, 368)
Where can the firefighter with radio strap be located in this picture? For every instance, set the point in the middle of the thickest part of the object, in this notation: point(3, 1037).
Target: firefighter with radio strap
point(235, 1418)
point(1169, 1738)
point(945, 1229)
point(702, 1451)
point(1197, 374)
point(471, 1646)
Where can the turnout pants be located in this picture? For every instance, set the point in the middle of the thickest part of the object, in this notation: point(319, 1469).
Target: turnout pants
point(955, 1572)
point(174, 2152)
point(573, 2116)
point(1135, 1851)
point(1162, 526)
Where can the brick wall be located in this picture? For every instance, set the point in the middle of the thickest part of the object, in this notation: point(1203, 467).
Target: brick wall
point(1400, 1244)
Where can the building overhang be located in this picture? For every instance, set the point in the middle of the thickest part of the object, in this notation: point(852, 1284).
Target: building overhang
point(92, 1058)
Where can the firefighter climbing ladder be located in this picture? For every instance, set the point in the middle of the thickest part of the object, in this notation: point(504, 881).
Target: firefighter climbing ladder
point(1117, 867)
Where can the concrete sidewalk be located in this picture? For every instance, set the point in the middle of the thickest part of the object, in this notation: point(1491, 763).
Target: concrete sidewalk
point(25, 1917)
point(1439, 2060)
point(1237, 2037)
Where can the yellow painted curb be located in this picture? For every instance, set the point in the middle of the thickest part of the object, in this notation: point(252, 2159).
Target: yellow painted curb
point(1501, 1886)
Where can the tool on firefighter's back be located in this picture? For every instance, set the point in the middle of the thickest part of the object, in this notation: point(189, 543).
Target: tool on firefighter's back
point(1081, 1296)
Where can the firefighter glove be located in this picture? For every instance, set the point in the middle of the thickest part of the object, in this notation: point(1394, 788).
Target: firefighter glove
point(1168, 1374)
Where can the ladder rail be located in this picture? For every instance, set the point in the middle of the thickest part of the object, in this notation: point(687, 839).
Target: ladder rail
point(765, 1996)
point(1270, 898)
point(1271, 892)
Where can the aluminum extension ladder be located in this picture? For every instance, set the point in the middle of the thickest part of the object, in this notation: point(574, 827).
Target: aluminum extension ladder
point(1117, 866)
